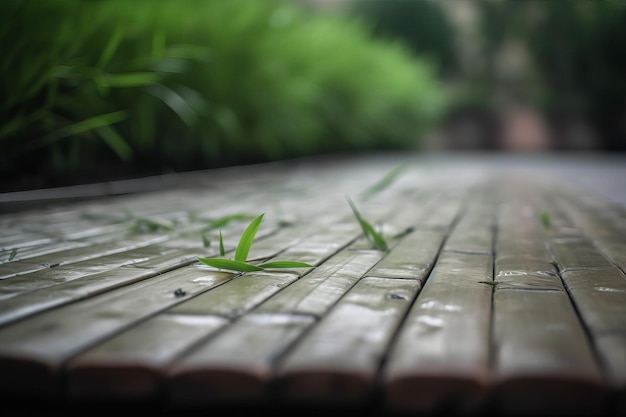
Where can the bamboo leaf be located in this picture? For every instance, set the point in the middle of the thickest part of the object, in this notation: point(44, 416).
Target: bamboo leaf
point(384, 182)
point(222, 251)
point(245, 242)
point(285, 264)
point(230, 265)
point(372, 235)
point(223, 221)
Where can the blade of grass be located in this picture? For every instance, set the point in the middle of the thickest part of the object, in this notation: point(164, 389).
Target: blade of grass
point(384, 182)
point(111, 46)
point(12, 254)
point(230, 265)
point(545, 219)
point(115, 141)
point(370, 233)
point(206, 242)
point(222, 251)
point(223, 221)
point(285, 264)
point(245, 242)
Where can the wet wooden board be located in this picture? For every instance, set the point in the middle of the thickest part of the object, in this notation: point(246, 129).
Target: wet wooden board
point(338, 360)
point(132, 364)
point(476, 306)
point(33, 350)
point(543, 360)
point(238, 364)
point(428, 365)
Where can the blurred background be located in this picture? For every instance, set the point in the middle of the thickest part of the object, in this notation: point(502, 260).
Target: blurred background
point(99, 90)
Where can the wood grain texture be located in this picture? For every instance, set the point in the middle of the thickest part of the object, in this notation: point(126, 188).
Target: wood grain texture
point(441, 354)
point(337, 361)
point(543, 360)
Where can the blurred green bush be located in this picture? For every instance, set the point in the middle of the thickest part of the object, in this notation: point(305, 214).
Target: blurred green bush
point(99, 88)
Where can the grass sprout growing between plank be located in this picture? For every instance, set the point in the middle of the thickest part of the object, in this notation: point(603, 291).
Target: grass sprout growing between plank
point(375, 238)
point(545, 219)
point(384, 182)
point(240, 263)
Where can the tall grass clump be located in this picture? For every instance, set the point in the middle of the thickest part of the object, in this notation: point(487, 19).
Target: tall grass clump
point(93, 89)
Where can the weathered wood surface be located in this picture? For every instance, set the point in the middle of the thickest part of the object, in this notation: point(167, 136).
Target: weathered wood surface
point(477, 306)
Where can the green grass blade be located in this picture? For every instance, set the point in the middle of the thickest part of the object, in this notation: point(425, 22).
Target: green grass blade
point(115, 141)
point(384, 182)
point(230, 265)
point(222, 251)
point(545, 219)
point(12, 254)
point(247, 237)
point(285, 264)
point(111, 47)
point(223, 221)
point(206, 242)
point(370, 233)
point(131, 79)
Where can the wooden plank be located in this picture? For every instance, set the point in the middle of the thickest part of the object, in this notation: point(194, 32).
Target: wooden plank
point(34, 254)
point(32, 302)
point(576, 254)
point(338, 360)
point(238, 296)
point(412, 257)
point(612, 350)
point(33, 350)
point(614, 250)
point(474, 232)
point(543, 362)
point(15, 268)
point(131, 366)
point(236, 365)
point(53, 276)
point(82, 251)
point(600, 298)
point(317, 291)
point(17, 239)
point(428, 367)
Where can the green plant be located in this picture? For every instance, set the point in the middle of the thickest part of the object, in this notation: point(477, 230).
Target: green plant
point(13, 254)
point(545, 219)
point(384, 182)
point(146, 225)
point(94, 89)
point(240, 262)
point(376, 239)
point(492, 283)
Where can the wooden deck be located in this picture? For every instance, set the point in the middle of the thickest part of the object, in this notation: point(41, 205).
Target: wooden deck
point(478, 307)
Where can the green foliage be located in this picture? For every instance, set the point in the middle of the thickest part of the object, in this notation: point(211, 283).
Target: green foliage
point(422, 25)
point(92, 86)
point(575, 52)
point(376, 239)
point(240, 263)
point(492, 283)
